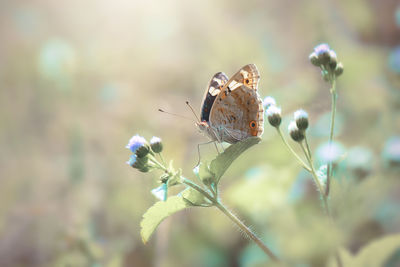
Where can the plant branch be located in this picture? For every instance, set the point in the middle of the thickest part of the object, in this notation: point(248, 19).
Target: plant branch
point(316, 180)
point(333, 115)
point(232, 217)
point(246, 230)
point(292, 151)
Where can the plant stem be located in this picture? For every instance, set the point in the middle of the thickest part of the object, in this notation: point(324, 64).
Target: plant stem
point(292, 151)
point(162, 159)
point(333, 114)
point(316, 180)
point(233, 218)
point(308, 148)
point(246, 230)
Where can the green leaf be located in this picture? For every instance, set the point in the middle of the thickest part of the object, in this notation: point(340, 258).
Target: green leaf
point(376, 253)
point(158, 212)
point(194, 198)
point(204, 173)
point(222, 162)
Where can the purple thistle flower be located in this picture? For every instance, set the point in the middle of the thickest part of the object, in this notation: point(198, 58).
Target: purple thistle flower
point(322, 49)
point(132, 160)
point(136, 142)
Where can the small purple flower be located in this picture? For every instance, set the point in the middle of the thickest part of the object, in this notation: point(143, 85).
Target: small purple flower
point(269, 101)
point(132, 160)
point(321, 49)
point(135, 143)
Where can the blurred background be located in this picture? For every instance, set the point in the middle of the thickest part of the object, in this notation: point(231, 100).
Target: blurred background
point(79, 78)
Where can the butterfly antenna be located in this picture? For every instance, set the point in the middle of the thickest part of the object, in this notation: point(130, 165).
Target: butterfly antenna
point(191, 108)
point(173, 114)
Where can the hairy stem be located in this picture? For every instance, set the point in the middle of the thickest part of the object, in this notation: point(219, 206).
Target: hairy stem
point(232, 217)
point(316, 180)
point(246, 230)
point(292, 151)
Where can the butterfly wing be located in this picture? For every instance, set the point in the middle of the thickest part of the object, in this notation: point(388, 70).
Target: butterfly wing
point(247, 75)
point(237, 112)
point(214, 87)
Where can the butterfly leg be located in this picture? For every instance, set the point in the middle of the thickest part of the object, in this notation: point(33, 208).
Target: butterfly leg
point(222, 146)
point(216, 147)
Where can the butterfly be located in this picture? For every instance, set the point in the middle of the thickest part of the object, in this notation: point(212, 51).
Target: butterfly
point(232, 110)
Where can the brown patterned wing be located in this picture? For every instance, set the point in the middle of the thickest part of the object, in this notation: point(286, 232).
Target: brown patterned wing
point(237, 114)
point(248, 75)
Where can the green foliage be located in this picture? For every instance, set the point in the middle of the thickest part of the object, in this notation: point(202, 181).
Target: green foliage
point(374, 254)
point(222, 162)
point(158, 212)
point(195, 198)
point(205, 174)
point(209, 174)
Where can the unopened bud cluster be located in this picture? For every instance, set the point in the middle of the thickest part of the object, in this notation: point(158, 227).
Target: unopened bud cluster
point(325, 58)
point(141, 151)
point(297, 128)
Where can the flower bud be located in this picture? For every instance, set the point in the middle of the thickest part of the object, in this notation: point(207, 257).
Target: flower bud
point(164, 177)
point(269, 101)
point(333, 60)
point(314, 59)
point(144, 169)
point(132, 160)
point(339, 69)
point(140, 163)
point(142, 151)
point(301, 118)
point(156, 145)
point(322, 52)
point(136, 142)
point(296, 134)
point(274, 116)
